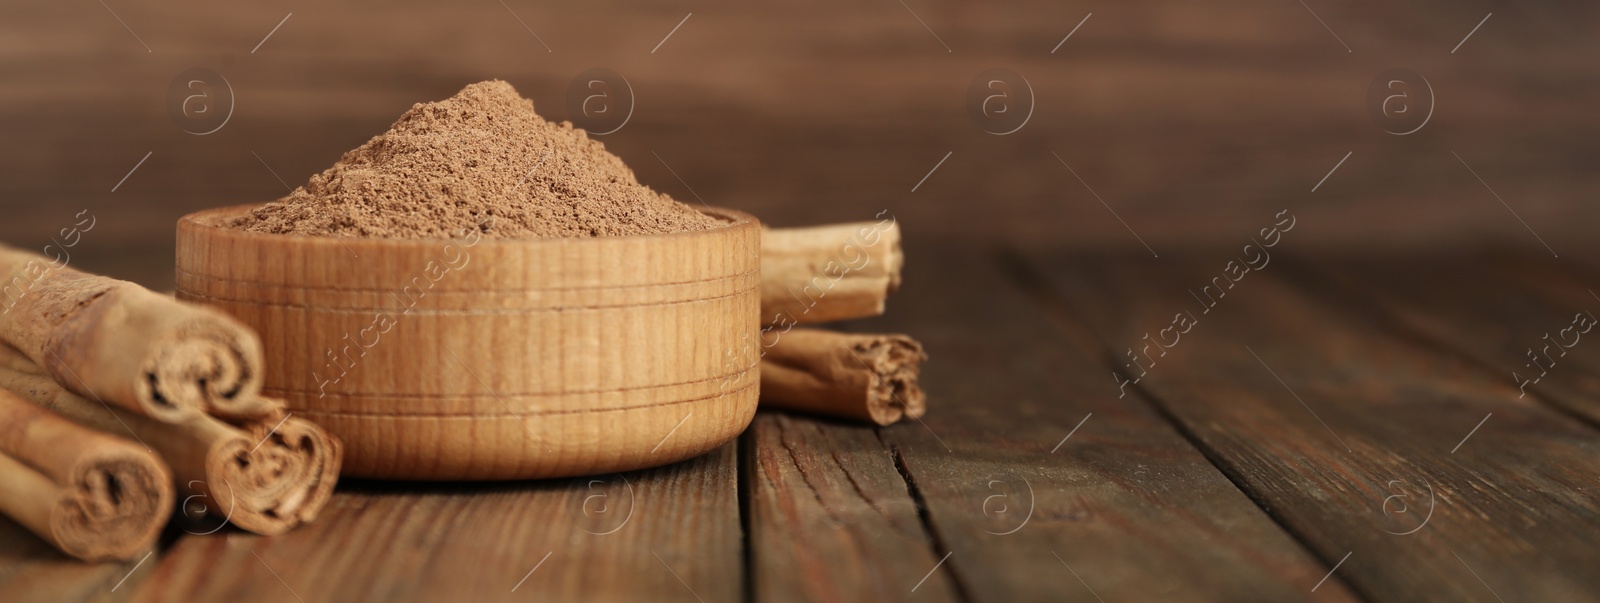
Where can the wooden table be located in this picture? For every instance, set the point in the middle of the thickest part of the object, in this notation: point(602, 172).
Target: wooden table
point(1342, 424)
point(1328, 430)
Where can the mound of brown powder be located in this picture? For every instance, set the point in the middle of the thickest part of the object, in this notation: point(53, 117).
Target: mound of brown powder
point(481, 159)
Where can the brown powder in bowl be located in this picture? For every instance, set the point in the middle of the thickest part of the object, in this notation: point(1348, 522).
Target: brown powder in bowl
point(480, 159)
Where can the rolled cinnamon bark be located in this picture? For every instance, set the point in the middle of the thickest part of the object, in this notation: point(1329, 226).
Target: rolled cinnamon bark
point(848, 375)
point(825, 273)
point(118, 342)
point(302, 465)
point(267, 476)
point(92, 495)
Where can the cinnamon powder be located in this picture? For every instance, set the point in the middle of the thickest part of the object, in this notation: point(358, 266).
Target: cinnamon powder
point(480, 159)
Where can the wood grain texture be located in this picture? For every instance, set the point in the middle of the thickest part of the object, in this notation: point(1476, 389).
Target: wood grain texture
point(1122, 510)
point(830, 518)
point(665, 534)
point(32, 571)
point(496, 359)
point(1512, 314)
point(1362, 443)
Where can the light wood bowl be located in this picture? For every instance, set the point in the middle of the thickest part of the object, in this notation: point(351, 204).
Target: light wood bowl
point(499, 359)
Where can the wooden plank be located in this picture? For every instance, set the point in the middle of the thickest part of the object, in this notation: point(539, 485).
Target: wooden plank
point(33, 571)
point(1366, 445)
point(831, 518)
point(1041, 485)
point(666, 534)
point(1495, 310)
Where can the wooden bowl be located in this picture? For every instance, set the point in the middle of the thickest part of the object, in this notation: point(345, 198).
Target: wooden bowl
point(480, 359)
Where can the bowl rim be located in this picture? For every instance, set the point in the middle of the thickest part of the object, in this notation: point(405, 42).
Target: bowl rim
point(204, 221)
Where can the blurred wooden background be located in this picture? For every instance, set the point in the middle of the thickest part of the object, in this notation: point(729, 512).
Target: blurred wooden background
point(1193, 121)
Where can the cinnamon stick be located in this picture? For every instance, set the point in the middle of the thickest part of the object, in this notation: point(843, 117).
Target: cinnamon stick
point(266, 476)
point(863, 377)
point(831, 272)
point(92, 495)
point(115, 341)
